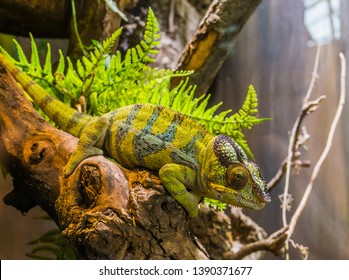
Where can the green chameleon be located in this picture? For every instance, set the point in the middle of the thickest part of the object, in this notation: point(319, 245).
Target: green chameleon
point(191, 162)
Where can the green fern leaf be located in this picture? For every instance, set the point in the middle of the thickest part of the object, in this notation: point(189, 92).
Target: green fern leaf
point(61, 63)
point(7, 55)
point(47, 72)
point(35, 65)
point(80, 68)
point(23, 62)
point(144, 51)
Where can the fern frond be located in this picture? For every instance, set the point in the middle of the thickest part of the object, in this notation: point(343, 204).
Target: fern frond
point(182, 98)
point(246, 116)
point(146, 49)
point(61, 63)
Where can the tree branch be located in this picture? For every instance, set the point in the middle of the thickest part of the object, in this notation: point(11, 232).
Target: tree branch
point(43, 18)
point(95, 21)
point(308, 106)
point(214, 39)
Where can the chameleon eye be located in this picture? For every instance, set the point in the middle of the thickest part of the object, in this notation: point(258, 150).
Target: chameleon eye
point(237, 176)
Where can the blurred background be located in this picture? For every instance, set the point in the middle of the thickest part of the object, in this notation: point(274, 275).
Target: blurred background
point(275, 52)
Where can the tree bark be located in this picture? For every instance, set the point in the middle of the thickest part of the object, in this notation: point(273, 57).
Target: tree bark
point(53, 19)
point(214, 39)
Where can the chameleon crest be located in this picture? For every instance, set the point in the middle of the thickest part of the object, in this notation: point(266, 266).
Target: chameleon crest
point(190, 161)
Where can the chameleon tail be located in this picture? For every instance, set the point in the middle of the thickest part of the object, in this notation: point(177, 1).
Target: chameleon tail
point(67, 118)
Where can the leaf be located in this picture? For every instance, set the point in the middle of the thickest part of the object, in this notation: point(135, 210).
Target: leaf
point(35, 60)
point(22, 58)
point(61, 63)
point(48, 66)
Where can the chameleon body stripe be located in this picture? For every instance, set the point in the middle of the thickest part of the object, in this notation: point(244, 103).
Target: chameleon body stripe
point(152, 136)
point(122, 131)
point(147, 145)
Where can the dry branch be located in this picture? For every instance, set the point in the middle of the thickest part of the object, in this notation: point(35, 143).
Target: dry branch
point(308, 107)
point(214, 39)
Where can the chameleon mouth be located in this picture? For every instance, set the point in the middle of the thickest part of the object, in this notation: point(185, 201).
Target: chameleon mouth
point(239, 200)
point(221, 188)
point(266, 197)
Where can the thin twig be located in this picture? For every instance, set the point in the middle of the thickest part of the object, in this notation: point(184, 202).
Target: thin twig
point(278, 176)
point(171, 17)
point(294, 136)
point(314, 75)
point(274, 243)
point(75, 24)
point(281, 172)
point(325, 152)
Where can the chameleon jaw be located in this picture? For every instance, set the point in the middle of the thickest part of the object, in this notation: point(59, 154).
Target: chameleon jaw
point(237, 199)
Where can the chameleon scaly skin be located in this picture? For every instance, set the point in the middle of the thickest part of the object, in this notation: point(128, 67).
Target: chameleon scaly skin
point(191, 162)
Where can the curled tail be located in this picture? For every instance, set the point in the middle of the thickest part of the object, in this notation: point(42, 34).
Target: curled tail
point(67, 118)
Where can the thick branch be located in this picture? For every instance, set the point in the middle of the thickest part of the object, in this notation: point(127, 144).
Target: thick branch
point(211, 44)
point(52, 19)
point(44, 18)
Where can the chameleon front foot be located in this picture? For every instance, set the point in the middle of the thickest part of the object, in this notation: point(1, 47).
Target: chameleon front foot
point(175, 178)
point(191, 205)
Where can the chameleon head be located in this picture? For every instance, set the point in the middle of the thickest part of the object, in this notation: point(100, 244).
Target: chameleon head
point(228, 176)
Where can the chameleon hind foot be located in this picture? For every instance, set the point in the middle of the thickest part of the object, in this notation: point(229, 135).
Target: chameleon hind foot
point(78, 156)
point(90, 140)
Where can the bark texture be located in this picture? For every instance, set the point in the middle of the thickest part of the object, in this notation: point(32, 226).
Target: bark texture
point(214, 39)
point(196, 35)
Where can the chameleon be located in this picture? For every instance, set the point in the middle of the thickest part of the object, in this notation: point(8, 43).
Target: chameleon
point(191, 162)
